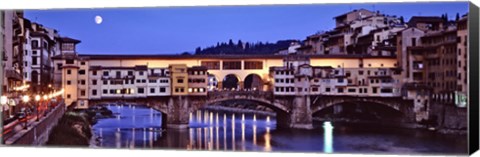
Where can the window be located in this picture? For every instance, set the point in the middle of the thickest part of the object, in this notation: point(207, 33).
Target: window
point(163, 81)
point(112, 91)
point(34, 61)
point(315, 89)
point(253, 65)
point(69, 82)
point(26, 63)
point(82, 63)
point(82, 92)
point(140, 73)
point(105, 91)
point(352, 90)
point(417, 65)
point(327, 89)
point(152, 81)
point(34, 44)
point(360, 72)
point(181, 90)
point(82, 82)
point(69, 61)
point(340, 80)
point(105, 82)
point(211, 64)
point(374, 89)
point(94, 92)
point(340, 90)
point(130, 73)
point(232, 65)
point(141, 90)
point(59, 65)
point(69, 72)
point(179, 80)
point(68, 96)
point(152, 90)
point(81, 72)
point(386, 90)
point(94, 82)
point(414, 42)
point(162, 89)
point(105, 73)
point(94, 73)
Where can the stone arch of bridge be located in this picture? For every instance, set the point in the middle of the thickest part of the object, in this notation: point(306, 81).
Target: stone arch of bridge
point(278, 108)
point(317, 108)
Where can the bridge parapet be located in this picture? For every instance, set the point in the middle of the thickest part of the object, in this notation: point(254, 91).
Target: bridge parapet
point(261, 95)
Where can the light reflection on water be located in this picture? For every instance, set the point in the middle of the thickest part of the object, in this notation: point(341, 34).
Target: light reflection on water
point(140, 127)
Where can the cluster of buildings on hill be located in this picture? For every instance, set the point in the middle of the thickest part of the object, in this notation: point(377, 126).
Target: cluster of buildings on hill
point(366, 54)
point(431, 51)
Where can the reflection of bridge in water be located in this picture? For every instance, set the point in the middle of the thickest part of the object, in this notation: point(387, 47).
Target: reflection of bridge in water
point(291, 111)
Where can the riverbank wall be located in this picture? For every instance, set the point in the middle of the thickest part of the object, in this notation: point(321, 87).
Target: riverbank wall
point(38, 132)
point(393, 125)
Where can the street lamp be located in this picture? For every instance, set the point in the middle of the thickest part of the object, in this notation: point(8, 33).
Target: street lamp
point(37, 99)
point(25, 100)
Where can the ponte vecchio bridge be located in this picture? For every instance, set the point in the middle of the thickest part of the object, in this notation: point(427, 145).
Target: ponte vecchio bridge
point(178, 85)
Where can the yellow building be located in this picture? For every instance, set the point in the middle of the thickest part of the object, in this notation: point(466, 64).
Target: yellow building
point(179, 77)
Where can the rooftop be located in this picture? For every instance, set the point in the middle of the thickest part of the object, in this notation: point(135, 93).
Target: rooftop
point(157, 56)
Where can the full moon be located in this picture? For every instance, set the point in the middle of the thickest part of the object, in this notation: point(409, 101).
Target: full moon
point(98, 19)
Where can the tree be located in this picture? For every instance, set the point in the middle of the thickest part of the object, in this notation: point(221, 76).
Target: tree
point(230, 42)
point(402, 21)
point(198, 50)
point(185, 53)
point(457, 17)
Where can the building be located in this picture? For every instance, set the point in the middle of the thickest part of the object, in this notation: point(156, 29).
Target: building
point(11, 53)
point(197, 80)
point(356, 32)
point(462, 61)
point(179, 79)
point(299, 77)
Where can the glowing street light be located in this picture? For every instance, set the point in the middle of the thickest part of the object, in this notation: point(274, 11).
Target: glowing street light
point(37, 98)
point(3, 100)
point(25, 98)
point(45, 97)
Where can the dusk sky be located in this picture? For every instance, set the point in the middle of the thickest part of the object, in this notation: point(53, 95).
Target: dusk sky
point(173, 30)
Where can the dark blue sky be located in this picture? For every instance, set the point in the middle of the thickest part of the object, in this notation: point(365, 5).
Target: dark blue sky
point(172, 30)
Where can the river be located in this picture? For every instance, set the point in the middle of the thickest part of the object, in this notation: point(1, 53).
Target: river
point(140, 127)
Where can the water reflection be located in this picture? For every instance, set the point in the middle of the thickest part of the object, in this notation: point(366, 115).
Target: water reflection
point(137, 127)
point(328, 137)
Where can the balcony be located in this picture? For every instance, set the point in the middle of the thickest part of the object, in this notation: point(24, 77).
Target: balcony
point(156, 75)
point(12, 74)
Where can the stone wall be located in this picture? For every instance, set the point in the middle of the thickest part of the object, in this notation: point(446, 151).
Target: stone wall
point(449, 116)
point(38, 132)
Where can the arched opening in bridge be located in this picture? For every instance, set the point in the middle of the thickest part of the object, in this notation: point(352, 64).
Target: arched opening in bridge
point(253, 82)
point(230, 82)
point(359, 111)
point(243, 111)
